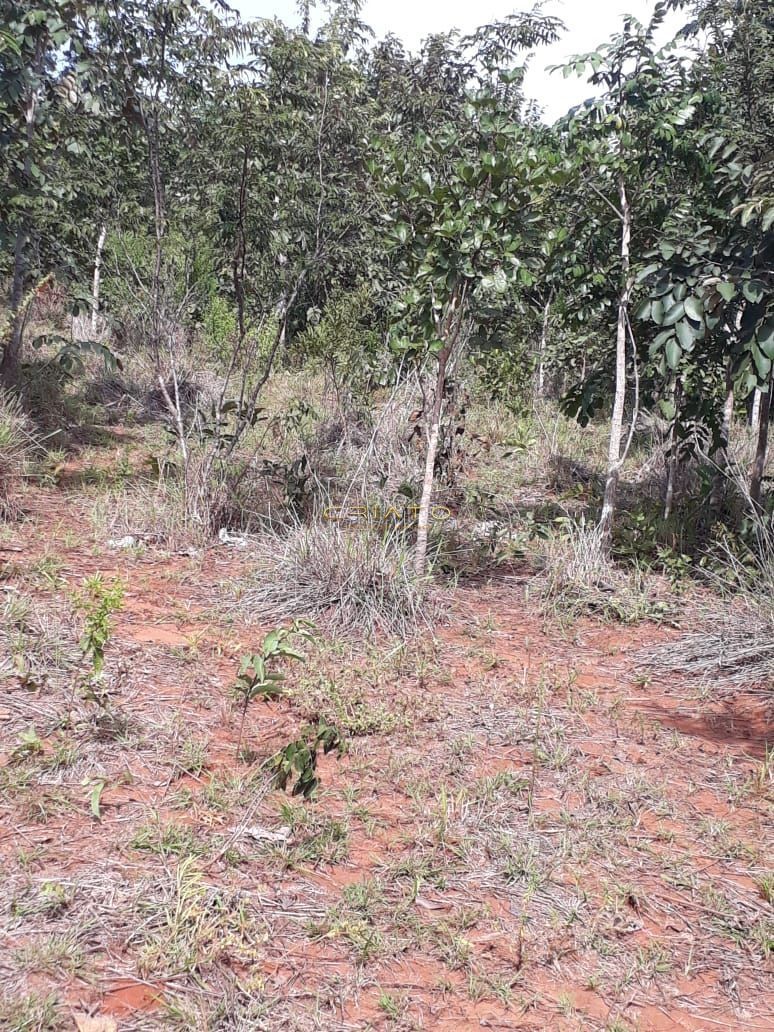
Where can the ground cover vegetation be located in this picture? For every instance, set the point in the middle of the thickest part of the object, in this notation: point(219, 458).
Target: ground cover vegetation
point(386, 523)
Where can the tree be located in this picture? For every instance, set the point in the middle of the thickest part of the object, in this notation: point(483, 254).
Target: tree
point(711, 287)
point(628, 146)
point(42, 65)
point(465, 211)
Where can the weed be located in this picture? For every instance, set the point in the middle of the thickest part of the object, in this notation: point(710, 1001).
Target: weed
point(193, 925)
point(32, 1013)
point(193, 757)
point(322, 840)
point(344, 702)
point(168, 840)
point(354, 578)
point(97, 601)
point(298, 759)
point(50, 900)
point(53, 955)
point(390, 1005)
point(364, 897)
point(258, 676)
point(29, 745)
point(766, 886)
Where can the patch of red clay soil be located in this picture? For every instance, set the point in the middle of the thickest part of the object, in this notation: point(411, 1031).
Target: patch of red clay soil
point(127, 996)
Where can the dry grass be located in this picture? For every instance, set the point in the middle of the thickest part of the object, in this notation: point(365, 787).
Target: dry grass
point(578, 578)
point(151, 513)
point(737, 648)
point(17, 442)
point(37, 640)
point(356, 579)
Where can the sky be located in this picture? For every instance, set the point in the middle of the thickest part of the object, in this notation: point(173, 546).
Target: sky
point(588, 25)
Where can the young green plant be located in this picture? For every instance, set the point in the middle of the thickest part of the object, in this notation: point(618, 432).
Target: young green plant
point(97, 601)
point(258, 675)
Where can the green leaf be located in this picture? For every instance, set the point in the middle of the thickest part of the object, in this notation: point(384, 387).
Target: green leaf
point(95, 798)
point(684, 335)
point(694, 308)
point(761, 361)
point(673, 354)
point(271, 641)
point(674, 314)
point(726, 290)
point(668, 409)
point(753, 290)
point(765, 337)
point(647, 271)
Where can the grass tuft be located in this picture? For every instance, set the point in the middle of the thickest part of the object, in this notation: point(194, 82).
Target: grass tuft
point(353, 579)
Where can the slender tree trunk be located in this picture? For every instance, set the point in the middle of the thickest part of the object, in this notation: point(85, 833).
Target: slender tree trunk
point(721, 459)
point(240, 248)
point(759, 465)
point(448, 329)
point(423, 518)
point(95, 284)
point(614, 459)
point(672, 463)
point(159, 223)
point(10, 365)
point(755, 412)
point(540, 382)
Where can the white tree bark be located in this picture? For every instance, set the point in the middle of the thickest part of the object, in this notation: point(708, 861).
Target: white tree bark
point(759, 463)
point(95, 283)
point(448, 328)
point(434, 430)
point(755, 414)
point(614, 456)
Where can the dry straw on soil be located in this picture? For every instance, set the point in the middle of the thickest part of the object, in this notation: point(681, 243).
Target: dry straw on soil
point(737, 648)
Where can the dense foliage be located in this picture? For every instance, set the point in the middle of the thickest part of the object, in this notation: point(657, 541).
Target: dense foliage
point(238, 182)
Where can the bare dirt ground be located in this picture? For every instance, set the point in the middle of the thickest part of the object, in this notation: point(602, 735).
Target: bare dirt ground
point(524, 833)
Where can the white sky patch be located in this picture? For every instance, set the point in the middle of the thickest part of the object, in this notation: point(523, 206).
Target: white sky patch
point(588, 25)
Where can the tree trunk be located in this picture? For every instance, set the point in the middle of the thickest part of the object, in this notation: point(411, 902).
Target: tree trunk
point(755, 412)
point(448, 329)
point(12, 350)
point(721, 459)
point(614, 459)
point(95, 284)
point(759, 465)
point(672, 464)
point(423, 519)
point(540, 382)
